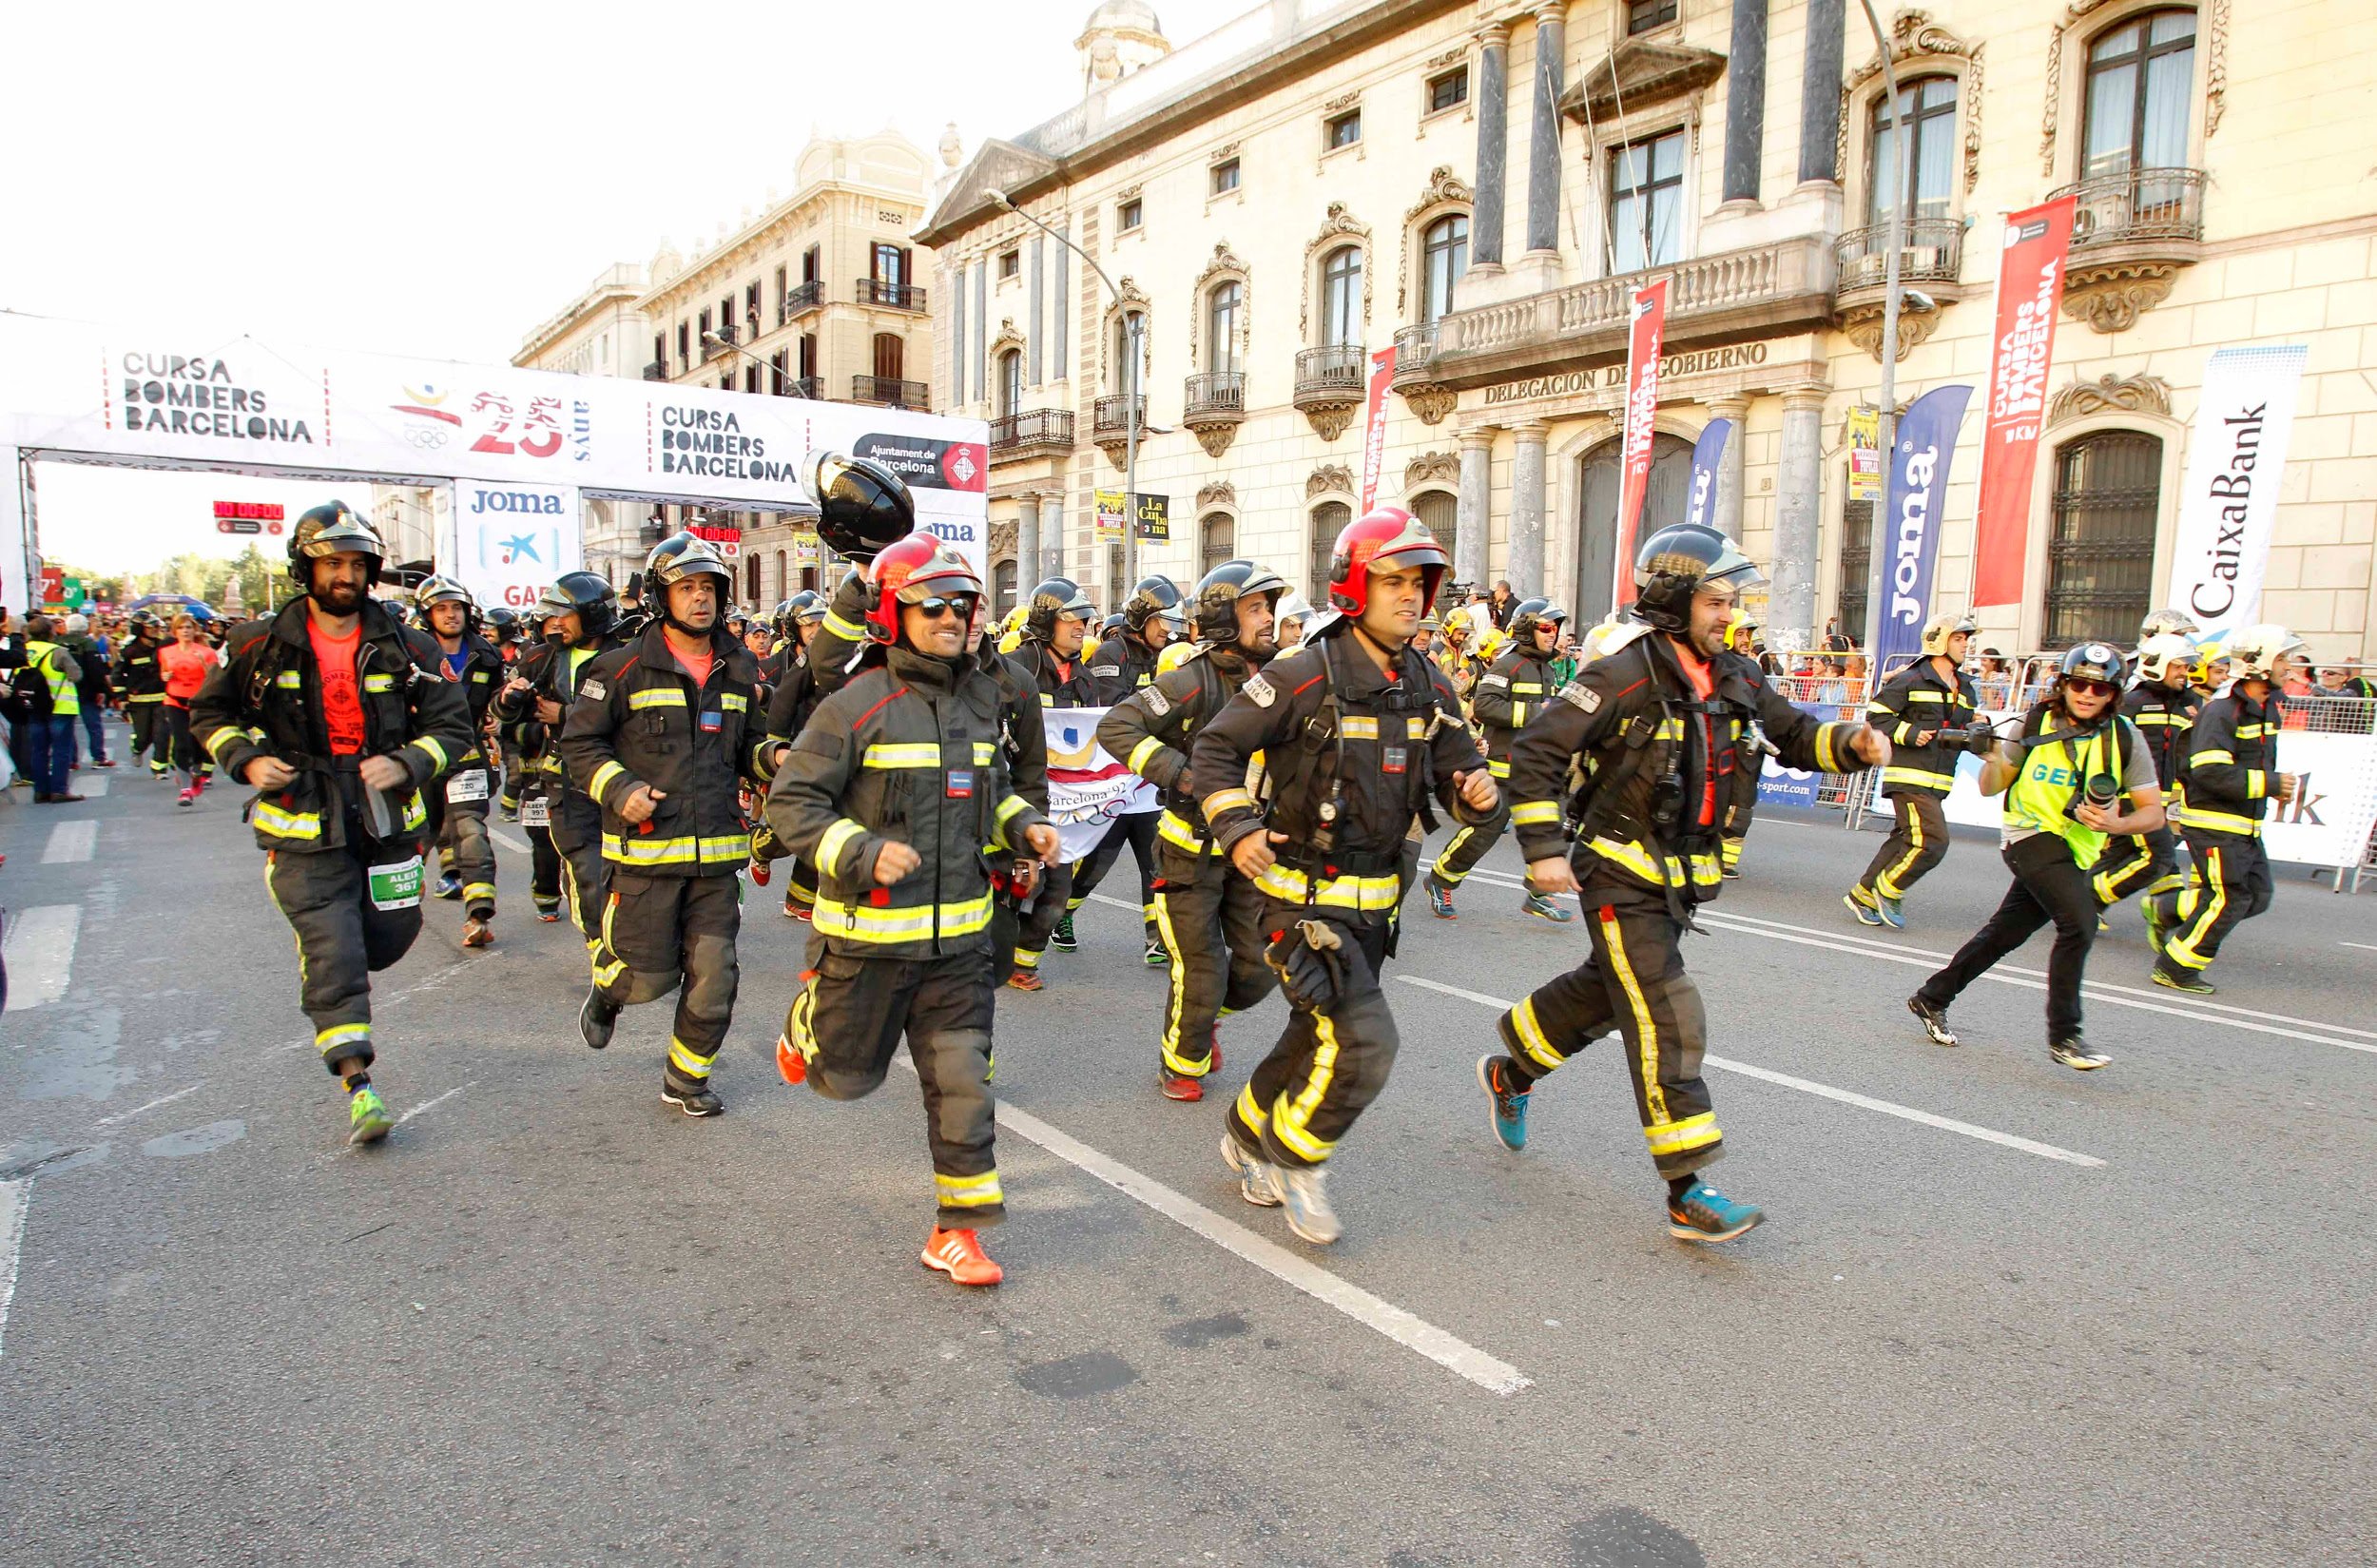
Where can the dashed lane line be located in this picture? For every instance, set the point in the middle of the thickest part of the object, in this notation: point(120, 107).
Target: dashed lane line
point(426, 1104)
point(508, 841)
point(383, 1002)
point(15, 1196)
point(1809, 1086)
point(1406, 1328)
point(71, 842)
point(144, 1110)
point(91, 787)
point(40, 955)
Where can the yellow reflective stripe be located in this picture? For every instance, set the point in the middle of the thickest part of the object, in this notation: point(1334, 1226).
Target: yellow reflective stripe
point(687, 1060)
point(289, 680)
point(830, 845)
point(1359, 893)
point(1827, 759)
point(1358, 726)
point(1530, 1032)
point(2254, 732)
point(848, 631)
point(1292, 1119)
point(1499, 767)
point(1175, 829)
point(1009, 809)
point(605, 774)
point(215, 742)
point(1137, 760)
point(478, 890)
point(657, 696)
point(1167, 1042)
point(286, 825)
point(1888, 883)
point(983, 752)
point(1646, 1027)
point(2199, 914)
point(1880, 710)
point(1518, 716)
point(733, 702)
point(1918, 776)
point(2222, 822)
point(1527, 813)
point(968, 1192)
point(2205, 759)
point(436, 753)
point(1676, 1136)
point(1226, 800)
point(379, 683)
point(1704, 869)
point(1920, 695)
point(1529, 688)
point(914, 923)
point(902, 754)
point(641, 851)
point(2256, 784)
point(727, 847)
point(341, 1034)
point(1250, 1112)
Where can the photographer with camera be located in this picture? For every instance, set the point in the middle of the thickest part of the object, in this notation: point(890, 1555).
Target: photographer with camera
point(2063, 782)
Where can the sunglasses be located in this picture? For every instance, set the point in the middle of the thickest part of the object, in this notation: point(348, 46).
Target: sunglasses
point(959, 604)
point(2086, 688)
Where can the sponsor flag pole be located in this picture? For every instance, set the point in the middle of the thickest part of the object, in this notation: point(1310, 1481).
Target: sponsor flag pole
point(1643, 340)
point(1708, 453)
point(1374, 426)
point(2030, 291)
point(1906, 536)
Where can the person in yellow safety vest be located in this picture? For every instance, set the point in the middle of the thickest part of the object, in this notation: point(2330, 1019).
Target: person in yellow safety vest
point(1742, 643)
point(51, 712)
point(1927, 709)
point(2229, 778)
point(2063, 782)
point(1512, 691)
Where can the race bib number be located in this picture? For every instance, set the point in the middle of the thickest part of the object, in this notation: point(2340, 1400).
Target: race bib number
point(470, 784)
point(1261, 691)
point(536, 812)
point(397, 885)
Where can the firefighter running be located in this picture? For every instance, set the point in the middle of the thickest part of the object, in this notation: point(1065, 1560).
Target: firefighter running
point(458, 808)
point(1928, 710)
point(1504, 699)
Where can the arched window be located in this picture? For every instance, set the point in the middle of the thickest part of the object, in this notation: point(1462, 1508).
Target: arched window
point(2140, 80)
point(1927, 109)
point(1341, 297)
point(1010, 381)
point(783, 575)
point(1440, 511)
point(751, 578)
point(1217, 541)
point(1130, 328)
point(1329, 519)
point(1443, 257)
point(1224, 309)
point(1003, 588)
point(2101, 556)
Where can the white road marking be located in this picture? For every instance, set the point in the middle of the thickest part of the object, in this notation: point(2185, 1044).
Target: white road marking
point(380, 1003)
point(426, 1104)
point(2365, 947)
point(14, 1198)
point(143, 1110)
point(40, 954)
point(71, 841)
point(1807, 1086)
point(91, 785)
point(1413, 1333)
point(508, 841)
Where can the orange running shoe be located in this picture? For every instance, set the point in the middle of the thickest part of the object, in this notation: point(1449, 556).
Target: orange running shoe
point(959, 1254)
point(1025, 979)
point(791, 1063)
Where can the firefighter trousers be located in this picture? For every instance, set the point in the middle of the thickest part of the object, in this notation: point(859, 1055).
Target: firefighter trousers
point(344, 934)
point(1039, 919)
point(1470, 841)
point(1212, 923)
point(2135, 864)
point(2048, 885)
point(459, 830)
point(148, 734)
point(1138, 831)
point(2230, 882)
point(1633, 981)
point(848, 1020)
point(1330, 1062)
point(585, 882)
point(544, 871)
point(664, 934)
point(1915, 845)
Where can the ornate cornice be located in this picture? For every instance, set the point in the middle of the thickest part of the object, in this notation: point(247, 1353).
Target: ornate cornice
point(1224, 265)
point(1217, 492)
point(1432, 467)
point(1339, 226)
point(2111, 394)
point(2111, 297)
point(1327, 479)
point(1443, 189)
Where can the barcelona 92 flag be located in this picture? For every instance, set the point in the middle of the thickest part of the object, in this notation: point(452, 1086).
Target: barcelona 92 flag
point(1087, 789)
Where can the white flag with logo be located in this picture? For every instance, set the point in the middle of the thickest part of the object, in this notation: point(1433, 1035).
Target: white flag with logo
point(2229, 507)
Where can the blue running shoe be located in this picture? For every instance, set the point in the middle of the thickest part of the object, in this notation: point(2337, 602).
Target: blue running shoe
point(1440, 899)
point(1257, 1179)
point(1705, 1215)
point(1541, 906)
point(450, 886)
point(1510, 1105)
point(1862, 904)
point(1892, 915)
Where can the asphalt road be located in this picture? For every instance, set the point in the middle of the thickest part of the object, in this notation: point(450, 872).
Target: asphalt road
point(2001, 1312)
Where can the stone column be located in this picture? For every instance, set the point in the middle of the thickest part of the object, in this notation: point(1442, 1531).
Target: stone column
point(1051, 537)
point(1494, 149)
point(1799, 505)
point(1476, 514)
point(1543, 148)
point(1027, 545)
point(1732, 468)
point(1745, 102)
point(1527, 479)
point(1820, 94)
point(1033, 370)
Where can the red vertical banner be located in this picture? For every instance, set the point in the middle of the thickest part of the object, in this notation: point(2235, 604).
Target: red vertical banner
point(1374, 425)
point(1643, 341)
point(2030, 291)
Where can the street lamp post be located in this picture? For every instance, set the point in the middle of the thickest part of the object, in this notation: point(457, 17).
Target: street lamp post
point(1133, 329)
point(769, 365)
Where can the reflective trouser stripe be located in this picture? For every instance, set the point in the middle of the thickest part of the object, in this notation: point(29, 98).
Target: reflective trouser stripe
point(1170, 1043)
point(1888, 883)
point(329, 1039)
point(2200, 908)
point(1646, 1027)
point(689, 1061)
point(1291, 1120)
point(968, 1192)
point(1528, 1029)
point(1731, 853)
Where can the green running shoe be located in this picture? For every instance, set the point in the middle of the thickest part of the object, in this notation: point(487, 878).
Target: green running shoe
point(368, 1121)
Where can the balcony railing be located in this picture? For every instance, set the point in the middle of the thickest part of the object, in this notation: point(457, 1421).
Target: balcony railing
point(1033, 430)
point(656, 371)
point(877, 291)
point(1110, 415)
point(1329, 371)
point(1215, 394)
point(804, 386)
point(888, 390)
point(1415, 351)
point(1931, 250)
point(2153, 204)
point(800, 299)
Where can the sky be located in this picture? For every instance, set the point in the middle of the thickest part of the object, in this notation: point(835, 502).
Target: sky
point(437, 178)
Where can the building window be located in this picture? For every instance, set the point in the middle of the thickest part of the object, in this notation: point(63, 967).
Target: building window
point(1002, 587)
point(1224, 308)
point(1341, 130)
point(2101, 556)
point(1010, 381)
point(1130, 328)
point(2139, 77)
point(1216, 541)
point(660, 349)
point(751, 306)
point(1341, 297)
point(1443, 257)
point(1449, 90)
point(783, 291)
point(1440, 511)
point(776, 365)
point(1856, 564)
point(1009, 265)
point(750, 378)
point(1647, 201)
point(1329, 519)
point(891, 267)
point(1226, 177)
point(1642, 16)
point(812, 264)
point(1129, 215)
point(891, 354)
point(783, 576)
point(809, 355)
point(1927, 109)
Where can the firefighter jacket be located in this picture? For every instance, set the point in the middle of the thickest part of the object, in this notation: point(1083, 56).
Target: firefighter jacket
point(1124, 664)
point(1060, 684)
point(555, 672)
point(1661, 759)
point(1354, 764)
point(265, 700)
point(2232, 770)
point(482, 676)
point(1914, 702)
point(909, 750)
point(1504, 698)
point(640, 719)
point(137, 677)
point(795, 697)
point(2165, 717)
point(1152, 730)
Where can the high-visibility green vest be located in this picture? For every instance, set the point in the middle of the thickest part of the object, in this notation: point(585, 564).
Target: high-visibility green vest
point(2052, 777)
point(63, 702)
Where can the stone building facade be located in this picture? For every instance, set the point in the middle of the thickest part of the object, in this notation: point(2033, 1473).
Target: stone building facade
point(1484, 183)
point(600, 333)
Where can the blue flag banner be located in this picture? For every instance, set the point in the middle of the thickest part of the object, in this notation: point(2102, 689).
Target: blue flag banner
point(1909, 529)
point(1706, 453)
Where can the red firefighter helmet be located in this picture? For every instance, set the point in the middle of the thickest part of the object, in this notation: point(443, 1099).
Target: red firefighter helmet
point(1387, 539)
point(910, 571)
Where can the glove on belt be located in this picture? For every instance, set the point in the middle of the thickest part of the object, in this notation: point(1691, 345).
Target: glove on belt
point(1305, 959)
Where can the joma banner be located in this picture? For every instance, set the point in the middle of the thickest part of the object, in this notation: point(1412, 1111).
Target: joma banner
point(2030, 291)
point(1642, 406)
point(1911, 540)
point(1708, 459)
